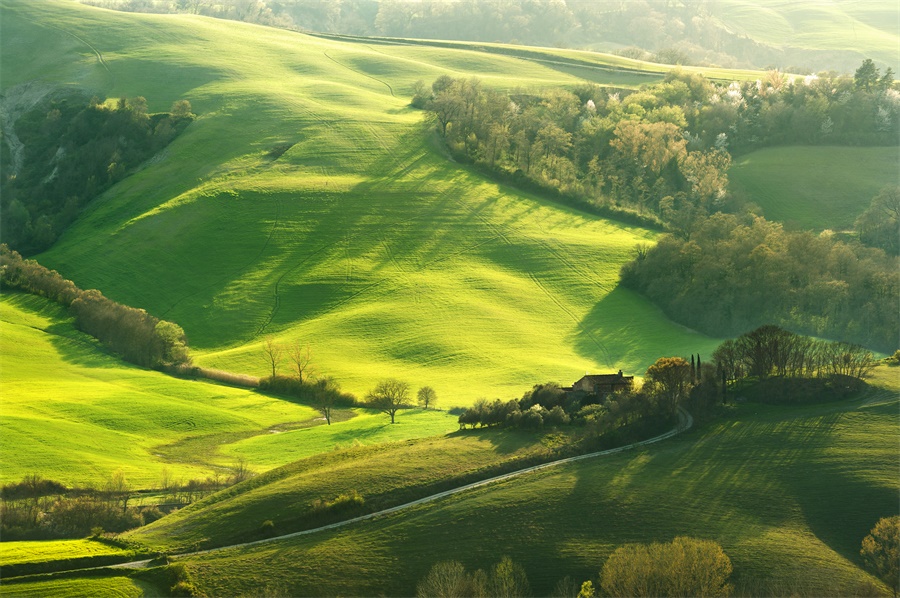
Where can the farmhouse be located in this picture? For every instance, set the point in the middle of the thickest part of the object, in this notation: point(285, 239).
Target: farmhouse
point(601, 384)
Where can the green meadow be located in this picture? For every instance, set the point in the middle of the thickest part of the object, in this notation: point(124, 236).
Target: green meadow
point(83, 414)
point(869, 28)
point(362, 239)
point(788, 492)
point(815, 187)
point(15, 553)
point(108, 587)
point(386, 475)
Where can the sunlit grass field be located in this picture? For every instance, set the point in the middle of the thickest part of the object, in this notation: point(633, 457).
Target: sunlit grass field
point(870, 28)
point(386, 475)
point(72, 413)
point(362, 239)
point(815, 187)
point(788, 492)
point(108, 587)
point(13, 553)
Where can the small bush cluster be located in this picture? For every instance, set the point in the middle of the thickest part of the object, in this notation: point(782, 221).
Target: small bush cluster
point(346, 501)
point(450, 578)
point(131, 333)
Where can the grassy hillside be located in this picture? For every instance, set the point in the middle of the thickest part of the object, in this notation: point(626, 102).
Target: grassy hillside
point(788, 492)
point(84, 414)
point(108, 587)
point(871, 29)
point(385, 475)
point(361, 239)
point(815, 187)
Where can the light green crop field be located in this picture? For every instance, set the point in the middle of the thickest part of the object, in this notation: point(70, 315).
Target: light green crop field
point(107, 587)
point(72, 413)
point(870, 28)
point(789, 493)
point(363, 239)
point(15, 553)
point(815, 187)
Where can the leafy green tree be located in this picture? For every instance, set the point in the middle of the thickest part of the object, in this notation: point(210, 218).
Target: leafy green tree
point(866, 76)
point(669, 378)
point(325, 396)
point(684, 567)
point(426, 397)
point(389, 396)
point(881, 551)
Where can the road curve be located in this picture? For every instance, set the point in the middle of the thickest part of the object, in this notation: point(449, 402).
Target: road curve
point(685, 422)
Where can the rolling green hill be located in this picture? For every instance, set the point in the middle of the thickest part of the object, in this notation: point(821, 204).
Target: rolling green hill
point(788, 492)
point(815, 187)
point(362, 239)
point(83, 414)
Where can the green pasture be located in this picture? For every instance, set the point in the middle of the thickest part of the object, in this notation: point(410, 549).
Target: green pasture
point(386, 474)
point(788, 492)
point(815, 187)
point(107, 587)
point(83, 414)
point(16, 553)
point(75, 414)
point(871, 29)
point(362, 239)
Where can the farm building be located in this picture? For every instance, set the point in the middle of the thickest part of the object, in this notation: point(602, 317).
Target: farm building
point(601, 384)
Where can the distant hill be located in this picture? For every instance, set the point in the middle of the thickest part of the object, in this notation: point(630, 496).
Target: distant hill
point(793, 36)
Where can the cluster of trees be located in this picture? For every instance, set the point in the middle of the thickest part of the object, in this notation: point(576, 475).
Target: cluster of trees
point(879, 225)
point(449, 579)
point(663, 150)
point(773, 351)
point(131, 333)
point(74, 149)
point(661, 155)
point(616, 418)
point(41, 509)
point(881, 551)
point(391, 395)
point(730, 273)
point(683, 567)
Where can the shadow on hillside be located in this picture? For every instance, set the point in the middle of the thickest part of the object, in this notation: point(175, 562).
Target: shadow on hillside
point(504, 441)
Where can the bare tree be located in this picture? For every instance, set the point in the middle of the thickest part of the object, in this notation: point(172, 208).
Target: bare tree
point(273, 352)
point(426, 397)
point(326, 394)
point(390, 396)
point(301, 356)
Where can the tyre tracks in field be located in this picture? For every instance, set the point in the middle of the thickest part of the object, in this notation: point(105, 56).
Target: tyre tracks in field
point(358, 72)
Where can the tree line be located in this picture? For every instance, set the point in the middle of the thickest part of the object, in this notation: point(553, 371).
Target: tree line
point(130, 333)
point(659, 156)
point(731, 273)
point(74, 149)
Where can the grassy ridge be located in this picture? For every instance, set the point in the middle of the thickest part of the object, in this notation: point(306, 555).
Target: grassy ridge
point(815, 187)
point(108, 587)
point(362, 239)
point(14, 553)
point(788, 492)
point(95, 414)
point(871, 29)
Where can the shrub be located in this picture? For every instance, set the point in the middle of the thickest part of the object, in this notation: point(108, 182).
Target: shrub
point(881, 551)
point(684, 567)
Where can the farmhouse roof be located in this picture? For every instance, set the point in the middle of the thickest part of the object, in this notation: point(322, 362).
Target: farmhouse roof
point(606, 378)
